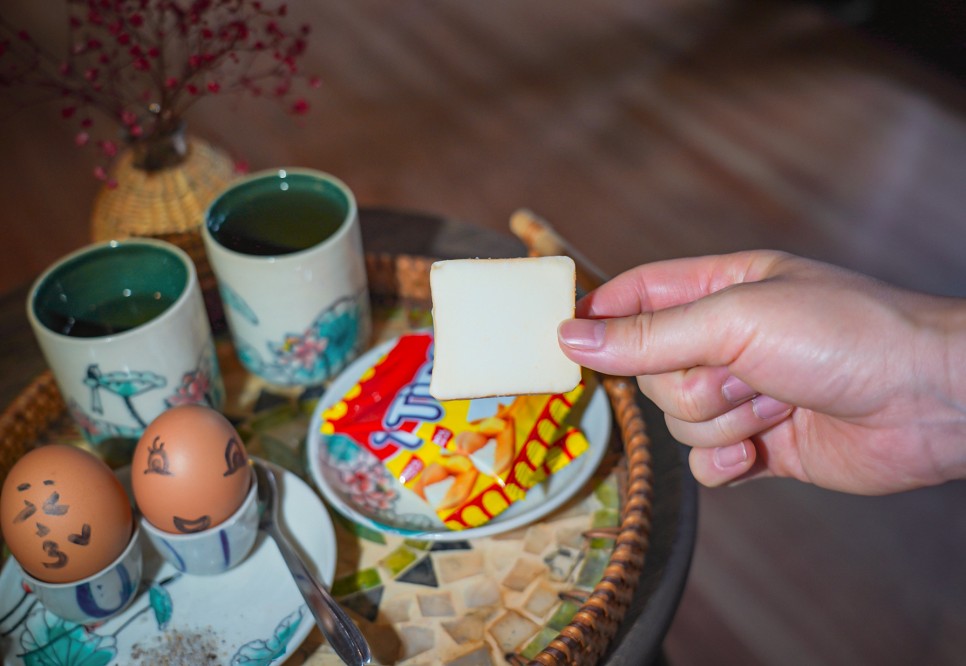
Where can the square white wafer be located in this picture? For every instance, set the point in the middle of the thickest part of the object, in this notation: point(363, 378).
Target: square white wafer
point(495, 327)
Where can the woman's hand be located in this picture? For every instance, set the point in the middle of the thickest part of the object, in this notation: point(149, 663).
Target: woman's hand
point(773, 365)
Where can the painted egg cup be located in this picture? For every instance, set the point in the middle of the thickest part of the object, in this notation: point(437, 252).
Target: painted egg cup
point(214, 550)
point(97, 597)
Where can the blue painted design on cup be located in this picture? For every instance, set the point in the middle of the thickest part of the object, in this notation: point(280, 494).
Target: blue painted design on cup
point(214, 550)
point(90, 598)
point(99, 596)
point(316, 354)
point(225, 548)
point(171, 554)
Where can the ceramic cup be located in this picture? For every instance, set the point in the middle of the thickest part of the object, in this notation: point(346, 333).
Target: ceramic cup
point(123, 327)
point(286, 249)
point(100, 596)
point(214, 550)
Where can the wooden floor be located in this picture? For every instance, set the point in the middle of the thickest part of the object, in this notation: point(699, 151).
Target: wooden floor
point(642, 130)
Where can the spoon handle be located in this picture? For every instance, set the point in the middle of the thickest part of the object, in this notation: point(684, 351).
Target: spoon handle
point(341, 633)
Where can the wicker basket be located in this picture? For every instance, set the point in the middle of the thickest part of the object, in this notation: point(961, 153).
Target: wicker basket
point(166, 200)
point(405, 279)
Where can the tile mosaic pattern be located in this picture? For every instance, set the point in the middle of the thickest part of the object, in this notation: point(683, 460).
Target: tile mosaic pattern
point(469, 603)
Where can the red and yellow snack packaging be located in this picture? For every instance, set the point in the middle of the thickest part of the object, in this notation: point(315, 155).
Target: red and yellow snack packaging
point(469, 459)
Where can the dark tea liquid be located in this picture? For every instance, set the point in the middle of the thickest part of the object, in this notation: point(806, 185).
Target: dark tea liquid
point(283, 223)
point(111, 317)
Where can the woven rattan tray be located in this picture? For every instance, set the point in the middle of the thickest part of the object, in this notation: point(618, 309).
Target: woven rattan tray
point(404, 280)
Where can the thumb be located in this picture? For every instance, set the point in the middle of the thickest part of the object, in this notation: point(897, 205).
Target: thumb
point(649, 343)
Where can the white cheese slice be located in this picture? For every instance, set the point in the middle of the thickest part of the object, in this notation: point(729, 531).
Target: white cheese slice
point(495, 327)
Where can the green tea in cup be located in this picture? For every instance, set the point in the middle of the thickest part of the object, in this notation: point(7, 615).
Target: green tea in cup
point(276, 216)
point(106, 291)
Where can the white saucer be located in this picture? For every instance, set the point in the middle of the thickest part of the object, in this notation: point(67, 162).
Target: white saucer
point(252, 614)
point(385, 505)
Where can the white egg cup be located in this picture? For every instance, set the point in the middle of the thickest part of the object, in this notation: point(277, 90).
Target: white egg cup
point(98, 597)
point(215, 550)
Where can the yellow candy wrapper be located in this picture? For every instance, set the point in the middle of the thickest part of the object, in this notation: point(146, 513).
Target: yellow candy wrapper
point(468, 459)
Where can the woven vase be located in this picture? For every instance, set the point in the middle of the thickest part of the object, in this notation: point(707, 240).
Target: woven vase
point(162, 187)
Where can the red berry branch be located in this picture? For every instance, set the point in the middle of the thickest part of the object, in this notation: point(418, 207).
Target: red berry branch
point(143, 63)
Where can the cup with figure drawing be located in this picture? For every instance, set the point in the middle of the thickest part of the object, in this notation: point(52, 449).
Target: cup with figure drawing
point(123, 328)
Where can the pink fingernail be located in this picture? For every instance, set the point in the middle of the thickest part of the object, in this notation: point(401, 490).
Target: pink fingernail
point(766, 407)
point(584, 334)
point(736, 391)
point(726, 457)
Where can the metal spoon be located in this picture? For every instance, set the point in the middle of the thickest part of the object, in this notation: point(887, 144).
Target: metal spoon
point(341, 633)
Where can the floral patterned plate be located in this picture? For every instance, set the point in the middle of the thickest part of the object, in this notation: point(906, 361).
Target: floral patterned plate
point(357, 485)
point(252, 615)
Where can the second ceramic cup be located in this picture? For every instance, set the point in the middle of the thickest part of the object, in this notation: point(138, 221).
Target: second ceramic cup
point(286, 248)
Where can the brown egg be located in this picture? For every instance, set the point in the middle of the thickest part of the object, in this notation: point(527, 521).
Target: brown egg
point(64, 514)
point(190, 470)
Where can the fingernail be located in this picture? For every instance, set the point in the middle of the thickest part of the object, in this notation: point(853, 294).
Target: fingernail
point(729, 456)
point(736, 391)
point(765, 407)
point(585, 334)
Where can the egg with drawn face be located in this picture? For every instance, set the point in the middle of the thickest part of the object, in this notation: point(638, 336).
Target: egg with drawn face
point(190, 470)
point(64, 514)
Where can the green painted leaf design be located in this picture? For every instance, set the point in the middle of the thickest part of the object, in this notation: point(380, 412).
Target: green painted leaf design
point(161, 603)
point(264, 652)
point(233, 299)
point(47, 640)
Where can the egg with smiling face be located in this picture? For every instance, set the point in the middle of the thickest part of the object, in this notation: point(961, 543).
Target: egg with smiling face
point(190, 470)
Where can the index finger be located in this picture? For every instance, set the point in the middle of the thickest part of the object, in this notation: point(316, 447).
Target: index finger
point(664, 284)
